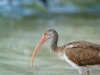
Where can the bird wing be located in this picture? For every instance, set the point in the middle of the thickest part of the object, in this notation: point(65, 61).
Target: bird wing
point(83, 53)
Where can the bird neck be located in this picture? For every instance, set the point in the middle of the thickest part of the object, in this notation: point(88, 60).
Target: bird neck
point(54, 41)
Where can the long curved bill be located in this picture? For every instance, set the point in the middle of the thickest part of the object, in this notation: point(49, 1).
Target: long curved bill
point(43, 39)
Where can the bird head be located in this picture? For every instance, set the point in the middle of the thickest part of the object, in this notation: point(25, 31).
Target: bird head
point(46, 35)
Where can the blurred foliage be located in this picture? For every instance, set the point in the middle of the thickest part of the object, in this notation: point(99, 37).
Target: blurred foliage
point(85, 15)
point(83, 2)
point(41, 10)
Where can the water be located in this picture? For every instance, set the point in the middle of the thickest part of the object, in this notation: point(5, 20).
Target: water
point(18, 41)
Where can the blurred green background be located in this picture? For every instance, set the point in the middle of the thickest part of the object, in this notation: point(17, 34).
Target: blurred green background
point(22, 22)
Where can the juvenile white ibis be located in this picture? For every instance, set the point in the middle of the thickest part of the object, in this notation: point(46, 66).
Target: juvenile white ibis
point(82, 55)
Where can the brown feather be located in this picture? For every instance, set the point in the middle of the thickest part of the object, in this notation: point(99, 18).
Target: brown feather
point(83, 53)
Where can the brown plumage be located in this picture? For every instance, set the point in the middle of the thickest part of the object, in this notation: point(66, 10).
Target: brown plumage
point(83, 53)
point(79, 54)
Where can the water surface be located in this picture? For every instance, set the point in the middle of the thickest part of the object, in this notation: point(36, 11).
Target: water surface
point(18, 41)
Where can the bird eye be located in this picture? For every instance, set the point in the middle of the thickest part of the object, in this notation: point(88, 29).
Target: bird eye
point(45, 33)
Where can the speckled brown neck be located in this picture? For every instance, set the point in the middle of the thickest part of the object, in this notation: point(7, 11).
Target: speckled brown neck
point(54, 40)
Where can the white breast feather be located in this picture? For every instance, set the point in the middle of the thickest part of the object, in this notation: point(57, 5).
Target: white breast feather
point(70, 62)
point(78, 67)
point(70, 46)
